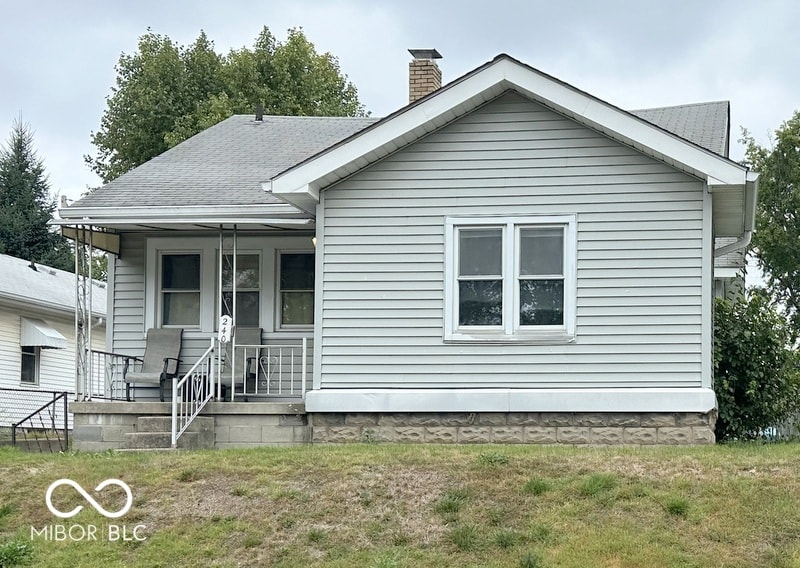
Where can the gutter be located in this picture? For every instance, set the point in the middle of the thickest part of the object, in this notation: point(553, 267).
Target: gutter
point(750, 198)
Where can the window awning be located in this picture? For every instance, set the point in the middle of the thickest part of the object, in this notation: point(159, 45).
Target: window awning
point(36, 333)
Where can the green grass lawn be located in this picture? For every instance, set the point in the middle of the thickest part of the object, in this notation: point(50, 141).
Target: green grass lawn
point(415, 506)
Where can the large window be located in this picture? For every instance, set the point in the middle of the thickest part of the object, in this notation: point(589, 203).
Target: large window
point(510, 278)
point(296, 289)
point(180, 289)
point(248, 288)
point(29, 374)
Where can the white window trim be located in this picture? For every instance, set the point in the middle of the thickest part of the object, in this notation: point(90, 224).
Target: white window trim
point(160, 291)
point(279, 325)
point(510, 332)
point(266, 246)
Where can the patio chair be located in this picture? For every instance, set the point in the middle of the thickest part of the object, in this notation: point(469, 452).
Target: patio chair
point(246, 369)
point(159, 363)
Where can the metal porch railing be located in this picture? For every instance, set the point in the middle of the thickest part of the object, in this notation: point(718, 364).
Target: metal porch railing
point(270, 371)
point(106, 380)
point(193, 391)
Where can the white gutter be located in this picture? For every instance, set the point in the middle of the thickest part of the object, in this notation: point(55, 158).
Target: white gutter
point(104, 221)
point(750, 198)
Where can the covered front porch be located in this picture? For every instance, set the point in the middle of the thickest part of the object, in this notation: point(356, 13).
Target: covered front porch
point(241, 299)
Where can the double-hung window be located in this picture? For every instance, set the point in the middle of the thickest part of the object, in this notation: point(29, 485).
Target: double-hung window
point(180, 289)
point(510, 278)
point(29, 374)
point(248, 288)
point(296, 289)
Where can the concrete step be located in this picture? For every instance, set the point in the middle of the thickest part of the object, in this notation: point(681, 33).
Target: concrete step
point(160, 440)
point(164, 424)
point(155, 432)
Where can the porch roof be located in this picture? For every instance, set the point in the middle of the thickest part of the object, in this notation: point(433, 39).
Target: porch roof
point(214, 178)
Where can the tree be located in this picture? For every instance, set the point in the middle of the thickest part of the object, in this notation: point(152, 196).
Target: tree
point(26, 205)
point(166, 93)
point(756, 369)
point(777, 235)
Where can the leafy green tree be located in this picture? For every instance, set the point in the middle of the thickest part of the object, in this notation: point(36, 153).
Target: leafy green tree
point(756, 369)
point(777, 235)
point(166, 93)
point(26, 205)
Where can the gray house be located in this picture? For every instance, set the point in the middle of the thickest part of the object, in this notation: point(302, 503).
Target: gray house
point(505, 259)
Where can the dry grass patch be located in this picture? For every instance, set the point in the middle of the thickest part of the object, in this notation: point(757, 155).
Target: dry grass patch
point(426, 506)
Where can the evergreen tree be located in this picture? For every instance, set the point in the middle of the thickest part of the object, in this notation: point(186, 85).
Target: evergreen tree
point(26, 205)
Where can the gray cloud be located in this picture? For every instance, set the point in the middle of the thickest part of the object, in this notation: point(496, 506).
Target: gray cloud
point(57, 58)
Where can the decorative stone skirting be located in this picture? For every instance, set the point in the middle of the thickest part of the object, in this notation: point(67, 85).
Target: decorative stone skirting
point(572, 428)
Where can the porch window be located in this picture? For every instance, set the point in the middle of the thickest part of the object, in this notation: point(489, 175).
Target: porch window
point(296, 289)
point(180, 289)
point(510, 278)
point(29, 374)
point(248, 288)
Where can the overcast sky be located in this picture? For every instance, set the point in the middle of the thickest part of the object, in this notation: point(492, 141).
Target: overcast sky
point(57, 57)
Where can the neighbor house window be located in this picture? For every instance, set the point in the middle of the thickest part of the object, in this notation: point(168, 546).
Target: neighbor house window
point(30, 365)
point(180, 289)
point(296, 289)
point(510, 278)
point(248, 288)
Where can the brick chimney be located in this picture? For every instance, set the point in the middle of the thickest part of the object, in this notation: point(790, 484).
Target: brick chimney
point(424, 75)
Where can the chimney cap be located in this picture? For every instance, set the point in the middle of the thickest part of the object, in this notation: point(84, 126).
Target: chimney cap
point(425, 54)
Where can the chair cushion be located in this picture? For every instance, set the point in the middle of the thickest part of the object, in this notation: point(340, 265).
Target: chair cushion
point(137, 377)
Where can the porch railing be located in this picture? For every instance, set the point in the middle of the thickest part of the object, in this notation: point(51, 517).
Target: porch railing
point(106, 380)
point(193, 391)
point(271, 371)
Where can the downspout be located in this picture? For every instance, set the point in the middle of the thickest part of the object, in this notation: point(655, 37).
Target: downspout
point(733, 247)
point(750, 197)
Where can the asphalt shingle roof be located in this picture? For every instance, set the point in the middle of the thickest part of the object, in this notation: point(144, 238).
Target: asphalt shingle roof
point(705, 124)
point(45, 286)
point(227, 163)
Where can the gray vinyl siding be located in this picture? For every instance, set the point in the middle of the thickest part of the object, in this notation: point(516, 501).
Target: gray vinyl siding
point(639, 258)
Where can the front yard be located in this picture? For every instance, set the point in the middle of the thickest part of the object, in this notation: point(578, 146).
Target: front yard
point(409, 506)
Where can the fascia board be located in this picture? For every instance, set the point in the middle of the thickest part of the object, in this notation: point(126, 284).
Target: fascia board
point(395, 133)
point(17, 302)
point(621, 125)
point(195, 213)
point(503, 74)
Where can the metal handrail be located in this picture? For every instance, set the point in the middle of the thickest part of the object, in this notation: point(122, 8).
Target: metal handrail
point(187, 403)
point(52, 426)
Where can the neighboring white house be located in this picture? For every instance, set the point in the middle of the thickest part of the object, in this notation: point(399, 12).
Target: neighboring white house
point(507, 258)
point(37, 325)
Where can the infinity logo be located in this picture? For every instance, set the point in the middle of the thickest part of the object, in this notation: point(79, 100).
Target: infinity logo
point(89, 499)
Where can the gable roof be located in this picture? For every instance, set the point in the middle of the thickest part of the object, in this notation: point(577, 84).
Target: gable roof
point(45, 288)
point(301, 184)
point(218, 176)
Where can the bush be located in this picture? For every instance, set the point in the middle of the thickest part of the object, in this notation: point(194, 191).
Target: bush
point(756, 371)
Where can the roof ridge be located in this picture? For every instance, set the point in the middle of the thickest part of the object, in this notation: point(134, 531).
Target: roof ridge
point(685, 105)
